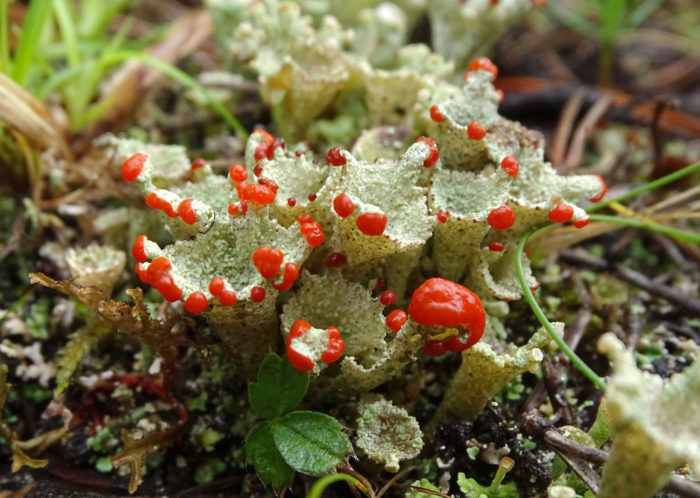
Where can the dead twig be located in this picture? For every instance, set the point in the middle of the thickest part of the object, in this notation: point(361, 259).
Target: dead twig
point(578, 140)
point(660, 105)
point(565, 125)
point(633, 277)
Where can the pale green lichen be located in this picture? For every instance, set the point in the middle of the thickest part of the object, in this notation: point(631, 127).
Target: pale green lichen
point(297, 175)
point(311, 67)
point(312, 345)
point(655, 424)
point(331, 301)
point(386, 142)
point(484, 372)
point(170, 164)
point(96, 266)
point(390, 188)
point(469, 183)
point(357, 378)
point(387, 433)
point(301, 69)
point(462, 30)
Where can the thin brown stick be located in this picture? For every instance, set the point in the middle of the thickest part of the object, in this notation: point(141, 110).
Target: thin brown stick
point(393, 480)
point(656, 139)
point(578, 140)
point(565, 125)
point(640, 280)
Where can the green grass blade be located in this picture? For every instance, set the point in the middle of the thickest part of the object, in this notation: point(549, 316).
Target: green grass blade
point(38, 16)
point(672, 232)
point(169, 70)
point(5, 61)
point(321, 484)
point(665, 180)
point(642, 13)
point(530, 298)
point(68, 32)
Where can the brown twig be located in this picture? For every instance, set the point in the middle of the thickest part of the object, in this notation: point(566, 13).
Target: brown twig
point(393, 480)
point(657, 142)
point(640, 280)
point(671, 294)
point(565, 125)
point(554, 382)
point(578, 140)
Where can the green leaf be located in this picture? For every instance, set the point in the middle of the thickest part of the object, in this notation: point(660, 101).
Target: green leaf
point(311, 442)
point(269, 464)
point(279, 388)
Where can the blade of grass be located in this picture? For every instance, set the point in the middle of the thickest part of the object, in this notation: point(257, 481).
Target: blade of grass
point(38, 16)
point(73, 96)
point(612, 13)
point(672, 232)
point(647, 187)
point(530, 298)
point(68, 33)
point(5, 61)
point(168, 69)
point(97, 15)
point(642, 13)
point(89, 83)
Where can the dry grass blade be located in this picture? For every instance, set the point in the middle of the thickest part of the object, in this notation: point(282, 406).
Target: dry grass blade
point(22, 112)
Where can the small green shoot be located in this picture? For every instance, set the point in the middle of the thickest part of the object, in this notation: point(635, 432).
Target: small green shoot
point(496, 489)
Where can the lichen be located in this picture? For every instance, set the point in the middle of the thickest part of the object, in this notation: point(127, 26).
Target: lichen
point(462, 30)
point(654, 424)
point(436, 184)
point(484, 372)
point(96, 266)
point(387, 433)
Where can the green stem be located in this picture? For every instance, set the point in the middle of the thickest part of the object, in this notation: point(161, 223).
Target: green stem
point(530, 298)
point(320, 486)
point(674, 233)
point(38, 14)
point(664, 180)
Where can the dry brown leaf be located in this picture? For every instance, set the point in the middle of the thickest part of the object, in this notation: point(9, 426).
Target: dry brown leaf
point(134, 321)
point(136, 449)
point(19, 457)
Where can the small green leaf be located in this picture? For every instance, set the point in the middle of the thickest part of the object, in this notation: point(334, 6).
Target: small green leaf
point(269, 464)
point(311, 442)
point(279, 388)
